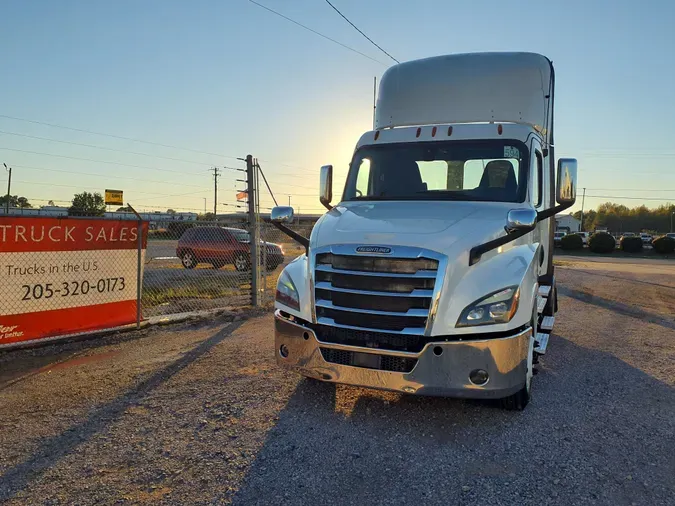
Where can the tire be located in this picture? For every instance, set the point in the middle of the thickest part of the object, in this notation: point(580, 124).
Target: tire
point(241, 263)
point(188, 260)
point(519, 400)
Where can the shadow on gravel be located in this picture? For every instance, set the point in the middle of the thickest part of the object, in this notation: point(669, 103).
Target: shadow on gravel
point(604, 275)
point(593, 420)
point(53, 449)
point(617, 307)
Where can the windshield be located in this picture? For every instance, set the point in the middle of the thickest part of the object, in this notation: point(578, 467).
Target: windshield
point(240, 235)
point(492, 170)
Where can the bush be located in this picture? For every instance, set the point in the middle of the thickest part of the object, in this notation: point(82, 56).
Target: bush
point(572, 242)
point(664, 245)
point(176, 228)
point(601, 242)
point(631, 244)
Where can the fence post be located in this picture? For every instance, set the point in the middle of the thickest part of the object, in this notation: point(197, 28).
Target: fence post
point(253, 224)
point(139, 265)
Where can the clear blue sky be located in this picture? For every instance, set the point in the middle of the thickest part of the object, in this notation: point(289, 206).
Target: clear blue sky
point(230, 78)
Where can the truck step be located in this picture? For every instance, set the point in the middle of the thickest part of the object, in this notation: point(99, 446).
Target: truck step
point(541, 342)
point(544, 290)
point(541, 304)
point(547, 323)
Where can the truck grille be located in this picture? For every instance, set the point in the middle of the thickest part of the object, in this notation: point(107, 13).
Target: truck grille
point(376, 295)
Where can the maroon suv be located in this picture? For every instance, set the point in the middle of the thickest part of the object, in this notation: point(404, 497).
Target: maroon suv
point(220, 246)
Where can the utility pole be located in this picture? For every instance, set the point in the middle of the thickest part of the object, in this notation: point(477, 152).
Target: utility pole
point(289, 201)
point(216, 173)
point(9, 188)
point(253, 223)
point(374, 99)
point(583, 199)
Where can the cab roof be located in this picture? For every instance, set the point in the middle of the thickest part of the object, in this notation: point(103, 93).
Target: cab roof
point(513, 87)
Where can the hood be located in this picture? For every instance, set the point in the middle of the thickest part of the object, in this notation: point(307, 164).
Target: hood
point(438, 225)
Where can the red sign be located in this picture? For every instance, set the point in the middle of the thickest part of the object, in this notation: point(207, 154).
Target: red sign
point(242, 195)
point(65, 275)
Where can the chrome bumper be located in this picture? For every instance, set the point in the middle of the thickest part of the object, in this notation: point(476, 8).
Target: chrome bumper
point(440, 374)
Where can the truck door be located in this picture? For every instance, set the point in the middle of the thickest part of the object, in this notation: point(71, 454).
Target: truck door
point(538, 188)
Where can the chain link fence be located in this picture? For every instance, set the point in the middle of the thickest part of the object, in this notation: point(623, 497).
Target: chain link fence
point(192, 267)
point(71, 275)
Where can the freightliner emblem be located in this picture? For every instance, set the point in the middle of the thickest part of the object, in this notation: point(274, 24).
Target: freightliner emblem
point(380, 250)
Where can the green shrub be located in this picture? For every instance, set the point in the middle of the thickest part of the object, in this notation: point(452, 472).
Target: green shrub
point(571, 242)
point(601, 242)
point(631, 244)
point(664, 245)
point(175, 229)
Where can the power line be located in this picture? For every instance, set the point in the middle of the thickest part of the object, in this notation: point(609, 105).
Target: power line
point(627, 198)
point(355, 28)
point(137, 153)
point(317, 33)
point(98, 161)
point(82, 188)
point(624, 189)
point(121, 137)
point(151, 143)
point(91, 174)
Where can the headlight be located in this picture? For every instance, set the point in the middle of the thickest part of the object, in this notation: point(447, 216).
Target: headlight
point(498, 307)
point(287, 294)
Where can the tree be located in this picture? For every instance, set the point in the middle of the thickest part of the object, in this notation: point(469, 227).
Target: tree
point(87, 204)
point(125, 209)
point(170, 211)
point(51, 203)
point(15, 201)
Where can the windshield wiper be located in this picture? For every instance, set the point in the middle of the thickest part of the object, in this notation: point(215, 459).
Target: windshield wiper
point(451, 194)
point(372, 197)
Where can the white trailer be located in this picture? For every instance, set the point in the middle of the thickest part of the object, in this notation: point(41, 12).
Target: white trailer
point(433, 274)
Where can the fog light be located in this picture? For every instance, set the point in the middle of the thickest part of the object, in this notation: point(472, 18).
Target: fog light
point(283, 350)
point(478, 377)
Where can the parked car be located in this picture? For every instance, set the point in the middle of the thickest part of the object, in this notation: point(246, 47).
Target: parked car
point(671, 235)
point(646, 238)
point(627, 234)
point(584, 236)
point(557, 238)
point(220, 246)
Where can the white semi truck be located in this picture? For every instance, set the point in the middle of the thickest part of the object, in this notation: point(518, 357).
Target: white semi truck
point(433, 274)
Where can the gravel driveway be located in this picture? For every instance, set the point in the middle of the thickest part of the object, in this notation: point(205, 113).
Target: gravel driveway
point(199, 414)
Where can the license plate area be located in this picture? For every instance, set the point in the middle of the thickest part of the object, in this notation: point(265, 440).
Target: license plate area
point(367, 360)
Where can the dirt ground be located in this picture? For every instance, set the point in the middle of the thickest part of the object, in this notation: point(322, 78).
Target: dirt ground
point(198, 413)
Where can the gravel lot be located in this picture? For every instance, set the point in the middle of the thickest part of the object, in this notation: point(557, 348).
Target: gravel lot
point(198, 414)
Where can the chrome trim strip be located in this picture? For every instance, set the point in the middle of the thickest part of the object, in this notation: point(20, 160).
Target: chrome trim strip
point(423, 274)
point(396, 251)
point(408, 331)
point(325, 285)
point(391, 353)
point(417, 313)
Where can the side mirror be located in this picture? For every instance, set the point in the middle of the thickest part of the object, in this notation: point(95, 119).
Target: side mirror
point(282, 214)
point(521, 220)
point(566, 188)
point(326, 186)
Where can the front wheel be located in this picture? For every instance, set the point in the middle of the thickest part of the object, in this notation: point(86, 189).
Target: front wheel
point(241, 263)
point(187, 259)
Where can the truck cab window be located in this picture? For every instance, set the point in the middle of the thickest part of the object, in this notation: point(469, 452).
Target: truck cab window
point(484, 171)
point(537, 179)
point(363, 177)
